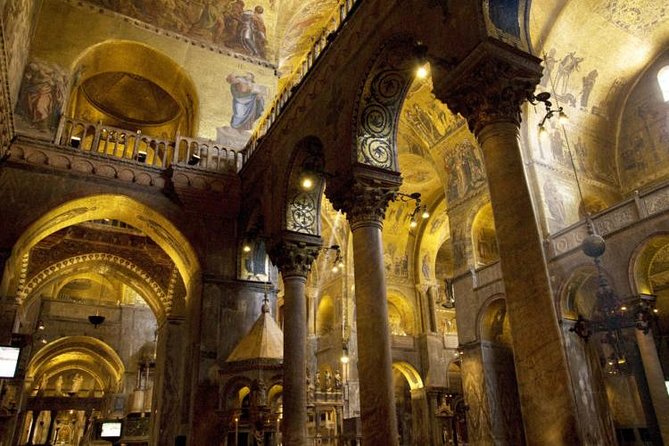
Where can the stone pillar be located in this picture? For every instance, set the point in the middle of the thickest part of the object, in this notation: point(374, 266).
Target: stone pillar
point(167, 385)
point(487, 88)
point(293, 255)
point(476, 397)
point(432, 297)
point(365, 202)
point(655, 378)
point(502, 394)
point(420, 417)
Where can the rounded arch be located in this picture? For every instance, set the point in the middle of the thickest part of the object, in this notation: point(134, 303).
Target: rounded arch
point(576, 293)
point(119, 207)
point(235, 390)
point(325, 315)
point(484, 236)
point(642, 259)
point(79, 352)
point(304, 188)
point(383, 90)
point(401, 314)
point(492, 322)
point(158, 299)
point(163, 77)
point(410, 373)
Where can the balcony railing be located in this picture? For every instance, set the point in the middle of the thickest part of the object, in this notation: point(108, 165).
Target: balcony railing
point(135, 147)
point(293, 81)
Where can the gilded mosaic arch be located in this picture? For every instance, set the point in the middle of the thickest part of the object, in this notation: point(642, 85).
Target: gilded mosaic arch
point(162, 307)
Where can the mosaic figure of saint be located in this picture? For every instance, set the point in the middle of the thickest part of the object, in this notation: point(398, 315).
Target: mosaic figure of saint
point(247, 101)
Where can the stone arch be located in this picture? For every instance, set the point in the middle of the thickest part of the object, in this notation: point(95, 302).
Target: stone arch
point(85, 352)
point(410, 373)
point(103, 59)
point(382, 93)
point(325, 315)
point(642, 260)
point(304, 188)
point(484, 236)
point(492, 322)
point(576, 291)
point(159, 300)
point(119, 207)
point(401, 314)
point(234, 392)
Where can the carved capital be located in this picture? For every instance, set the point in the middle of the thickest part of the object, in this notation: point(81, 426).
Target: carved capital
point(489, 85)
point(365, 197)
point(294, 254)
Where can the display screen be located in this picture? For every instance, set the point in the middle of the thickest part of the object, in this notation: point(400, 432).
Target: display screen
point(9, 359)
point(111, 429)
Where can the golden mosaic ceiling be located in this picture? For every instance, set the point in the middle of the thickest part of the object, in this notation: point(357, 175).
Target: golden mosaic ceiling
point(274, 31)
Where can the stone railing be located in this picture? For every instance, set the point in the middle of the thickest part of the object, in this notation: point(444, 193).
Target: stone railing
point(135, 147)
point(294, 80)
point(642, 205)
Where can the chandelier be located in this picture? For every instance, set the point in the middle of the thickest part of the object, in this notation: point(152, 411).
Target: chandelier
point(612, 315)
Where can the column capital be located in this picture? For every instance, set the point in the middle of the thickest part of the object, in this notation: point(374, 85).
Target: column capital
point(365, 196)
point(490, 84)
point(294, 253)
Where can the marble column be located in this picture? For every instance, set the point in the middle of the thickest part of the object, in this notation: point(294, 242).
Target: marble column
point(655, 378)
point(168, 379)
point(488, 88)
point(293, 255)
point(365, 202)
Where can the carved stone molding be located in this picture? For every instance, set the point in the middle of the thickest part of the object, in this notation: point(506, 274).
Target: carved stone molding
point(365, 197)
point(489, 85)
point(44, 275)
point(294, 253)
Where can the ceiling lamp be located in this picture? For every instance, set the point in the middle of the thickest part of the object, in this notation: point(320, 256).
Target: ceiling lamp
point(96, 319)
point(611, 315)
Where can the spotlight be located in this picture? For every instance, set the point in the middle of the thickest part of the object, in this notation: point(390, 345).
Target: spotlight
point(307, 182)
point(246, 248)
point(413, 223)
point(421, 72)
point(425, 214)
point(40, 324)
point(563, 118)
point(141, 156)
point(75, 142)
point(335, 269)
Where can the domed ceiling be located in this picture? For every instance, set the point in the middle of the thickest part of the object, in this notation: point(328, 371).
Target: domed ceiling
point(130, 98)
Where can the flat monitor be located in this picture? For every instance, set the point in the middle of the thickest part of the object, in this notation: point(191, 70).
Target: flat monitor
point(110, 429)
point(9, 359)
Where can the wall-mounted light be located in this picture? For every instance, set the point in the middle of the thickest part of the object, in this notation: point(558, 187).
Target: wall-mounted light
point(344, 354)
point(338, 262)
point(544, 98)
point(418, 209)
